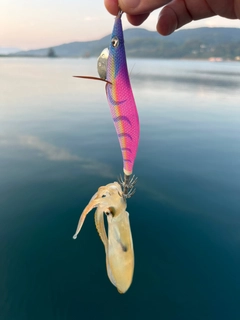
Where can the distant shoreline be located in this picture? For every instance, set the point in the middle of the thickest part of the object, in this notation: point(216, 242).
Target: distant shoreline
point(214, 44)
point(211, 59)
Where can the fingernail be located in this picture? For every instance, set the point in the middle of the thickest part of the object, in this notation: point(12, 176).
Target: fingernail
point(130, 3)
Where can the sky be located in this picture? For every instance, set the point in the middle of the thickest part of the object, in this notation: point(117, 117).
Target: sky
point(32, 24)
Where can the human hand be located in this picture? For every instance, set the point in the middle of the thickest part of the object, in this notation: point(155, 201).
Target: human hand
point(176, 13)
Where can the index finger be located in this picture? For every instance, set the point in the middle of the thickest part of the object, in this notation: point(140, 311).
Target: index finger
point(112, 6)
point(134, 7)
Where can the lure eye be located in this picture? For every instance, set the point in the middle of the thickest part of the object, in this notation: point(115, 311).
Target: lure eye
point(115, 42)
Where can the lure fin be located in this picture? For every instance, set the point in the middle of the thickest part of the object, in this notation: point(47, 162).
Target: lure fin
point(93, 78)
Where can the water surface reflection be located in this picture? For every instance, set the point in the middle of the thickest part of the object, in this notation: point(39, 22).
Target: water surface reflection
point(58, 145)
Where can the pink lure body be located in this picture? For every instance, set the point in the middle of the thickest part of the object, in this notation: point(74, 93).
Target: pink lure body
point(121, 99)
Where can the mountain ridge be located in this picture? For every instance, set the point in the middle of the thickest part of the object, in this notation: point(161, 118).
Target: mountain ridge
point(187, 43)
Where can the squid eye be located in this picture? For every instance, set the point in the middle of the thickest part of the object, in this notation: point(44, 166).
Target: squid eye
point(115, 42)
point(110, 212)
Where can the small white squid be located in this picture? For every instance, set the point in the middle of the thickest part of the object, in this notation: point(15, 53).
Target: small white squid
point(118, 244)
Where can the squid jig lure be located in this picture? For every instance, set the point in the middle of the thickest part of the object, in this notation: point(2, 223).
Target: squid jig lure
point(111, 199)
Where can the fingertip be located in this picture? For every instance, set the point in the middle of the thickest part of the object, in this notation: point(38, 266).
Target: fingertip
point(112, 6)
point(167, 22)
point(138, 19)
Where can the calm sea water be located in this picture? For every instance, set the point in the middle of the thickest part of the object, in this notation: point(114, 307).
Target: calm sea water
point(58, 145)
